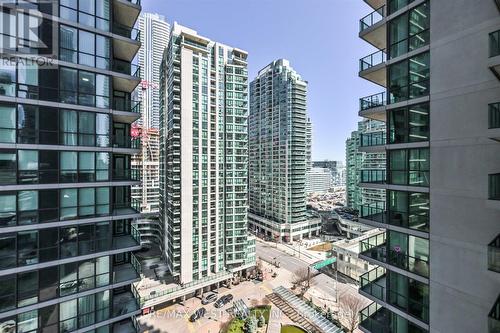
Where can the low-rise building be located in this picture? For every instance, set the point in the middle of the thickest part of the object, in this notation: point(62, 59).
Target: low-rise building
point(346, 251)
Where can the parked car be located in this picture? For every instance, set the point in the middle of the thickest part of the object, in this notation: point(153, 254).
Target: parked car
point(223, 300)
point(209, 298)
point(197, 315)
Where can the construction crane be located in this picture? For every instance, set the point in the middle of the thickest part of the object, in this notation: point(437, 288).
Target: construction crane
point(145, 133)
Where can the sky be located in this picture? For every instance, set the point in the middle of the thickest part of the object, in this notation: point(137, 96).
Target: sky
point(318, 37)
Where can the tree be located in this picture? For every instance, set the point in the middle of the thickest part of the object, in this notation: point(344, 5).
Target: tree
point(350, 306)
point(302, 278)
point(261, 321)
point(250, 324)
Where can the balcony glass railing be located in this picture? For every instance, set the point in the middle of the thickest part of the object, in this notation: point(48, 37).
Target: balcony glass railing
point(127, 32)
point(128, 105)
point(374, 212)
point(122, 141)
point(373, 176)
point(374, 283)
point(494, 115)
point(372, 101)
point(126, 174)
point(494, 186)
point(124, 303)
point(372, 60)
point(494, 43)
point(373, 139)
point(371, 19)
point(494, 255)
point(126, 68)
point(374, 247)
point(377, 319)
point(494, 318)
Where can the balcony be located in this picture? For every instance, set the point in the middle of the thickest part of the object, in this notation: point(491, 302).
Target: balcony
point(126, 207)
point(375, 3)
point(494, 186)
point(125, 326)
point(376, 176)
point(494, 56)
point(127, 42)
point(373, 142)
point(374, 283)
point(374, 248)
point(373, 106)
point(494, 255)
point(373, 214)
point(494, 318)
point(498, 4)
point(124, 303)
point(126, 272)
point(377, 319)
point(373, 68)
point(126, 175)
point(494, 121)
point(126, 110)
point(126, 142)
point(126, 76)
point(126, 12)
point(372, 28)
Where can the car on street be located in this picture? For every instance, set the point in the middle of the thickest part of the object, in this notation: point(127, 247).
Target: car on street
point(208, 298)
point(197, 315)
point(223, 301)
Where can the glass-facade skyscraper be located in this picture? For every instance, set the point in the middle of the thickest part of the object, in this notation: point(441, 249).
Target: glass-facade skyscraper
point(279, 151)
point(66, 239)
point(439, 255)
point(204, 158)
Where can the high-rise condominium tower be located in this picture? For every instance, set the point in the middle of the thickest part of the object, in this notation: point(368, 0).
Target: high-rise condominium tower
point(439, 257)
point(279, 150)
point(154, 32)
point(204, 157)
point(66, 240)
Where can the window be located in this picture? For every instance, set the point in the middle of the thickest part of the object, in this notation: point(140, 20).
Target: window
point(8, 167)
point(409, 209)
point(84, 88)
point(409, 167)
point(409, 78)
point(7, 122)
point(408, 294)
point(8, 79)
point(93, 13)
point(408, 252)
point(409, 31)
point(409, 124)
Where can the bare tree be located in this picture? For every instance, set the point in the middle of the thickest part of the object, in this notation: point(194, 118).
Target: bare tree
point(302, 278)
point(258, 265)
point(350, 306)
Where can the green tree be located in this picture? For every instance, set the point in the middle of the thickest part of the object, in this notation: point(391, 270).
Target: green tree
point(250, 324)
point(262, 321)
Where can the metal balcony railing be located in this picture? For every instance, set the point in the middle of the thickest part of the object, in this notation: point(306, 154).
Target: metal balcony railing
point(374, 283)
point(374, 247)
point(494, 115)
point(494, 186)
point(372, 60)
point(371, 19)
point(373, 176)
point(494, 43)
point(494, 255)
point(372, 101)
point(124, 31)
point(373, 139)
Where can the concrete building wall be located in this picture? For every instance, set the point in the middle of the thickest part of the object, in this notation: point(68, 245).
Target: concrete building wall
point(463, 221)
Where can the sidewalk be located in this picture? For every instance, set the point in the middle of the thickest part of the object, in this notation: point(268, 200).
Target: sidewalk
point(297, 250)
